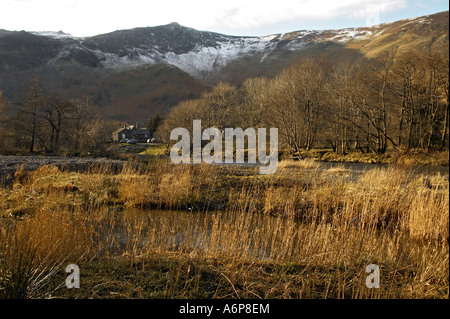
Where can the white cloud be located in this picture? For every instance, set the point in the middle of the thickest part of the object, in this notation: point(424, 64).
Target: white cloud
point(256, 13)
point(89, 17)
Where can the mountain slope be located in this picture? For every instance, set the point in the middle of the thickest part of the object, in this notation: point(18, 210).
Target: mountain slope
point(136, 93)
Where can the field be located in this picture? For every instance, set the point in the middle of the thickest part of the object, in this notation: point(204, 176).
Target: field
point(157, 230)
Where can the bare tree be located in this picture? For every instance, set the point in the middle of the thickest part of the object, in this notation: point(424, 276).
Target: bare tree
point(180, 116)
point(4, 123)
point(55, 115)
point(28, 118)
point(421, 89)
point(255, 102)
point(398, 100)
point(218, 105)
point(82, 119)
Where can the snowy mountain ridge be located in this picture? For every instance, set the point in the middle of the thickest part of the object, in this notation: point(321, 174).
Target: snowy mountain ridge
point(204, 52)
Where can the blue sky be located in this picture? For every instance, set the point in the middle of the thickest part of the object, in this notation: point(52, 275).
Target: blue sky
point(235, 17)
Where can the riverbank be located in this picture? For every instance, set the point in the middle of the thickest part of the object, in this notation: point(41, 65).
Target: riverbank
point(411, 158)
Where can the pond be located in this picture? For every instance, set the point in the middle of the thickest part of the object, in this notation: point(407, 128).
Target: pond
point(136, 229)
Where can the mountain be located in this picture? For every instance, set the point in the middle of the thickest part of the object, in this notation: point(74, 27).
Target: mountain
point(132, 74)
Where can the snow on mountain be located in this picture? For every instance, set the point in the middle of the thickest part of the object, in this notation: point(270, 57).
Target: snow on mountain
point(194, 52)
point(196, 61)
point(53, 34)
point(346, 35)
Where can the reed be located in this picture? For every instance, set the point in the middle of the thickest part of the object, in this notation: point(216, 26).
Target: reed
point(298, 234)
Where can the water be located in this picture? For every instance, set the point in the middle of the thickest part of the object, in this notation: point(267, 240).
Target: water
point(138, 230)
point(364, 167)
point(134, 229)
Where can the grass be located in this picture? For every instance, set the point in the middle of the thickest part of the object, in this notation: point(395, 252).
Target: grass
point(155, 149)
point(415, 157)
point(203, 231)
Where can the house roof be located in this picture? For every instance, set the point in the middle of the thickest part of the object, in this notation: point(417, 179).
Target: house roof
point(133, 131)
point(120, 130)
point(140, 131)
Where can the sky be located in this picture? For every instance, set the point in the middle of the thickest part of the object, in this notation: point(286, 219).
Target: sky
point(233, 17)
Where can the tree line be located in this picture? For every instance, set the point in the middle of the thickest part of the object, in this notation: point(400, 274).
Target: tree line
point(52, 124)
point(398, 100)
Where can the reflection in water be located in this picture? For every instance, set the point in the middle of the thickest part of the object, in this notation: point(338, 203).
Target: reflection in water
point(222, 232)
point(234, 234)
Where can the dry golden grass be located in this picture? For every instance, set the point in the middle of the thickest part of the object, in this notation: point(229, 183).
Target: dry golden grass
point(35, 248)
point(276, 238)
